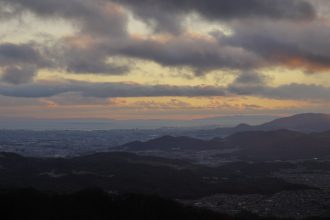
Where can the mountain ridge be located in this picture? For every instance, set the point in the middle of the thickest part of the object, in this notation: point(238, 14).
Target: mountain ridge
point(280, 144)
point(306, 122)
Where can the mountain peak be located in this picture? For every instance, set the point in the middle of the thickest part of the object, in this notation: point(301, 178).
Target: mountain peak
point(243, 126)
point(302, 122)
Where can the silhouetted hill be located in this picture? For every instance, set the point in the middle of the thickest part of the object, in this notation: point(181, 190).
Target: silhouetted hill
point(281, 145)
point(308, 122)
point(127, 173)
point(249, 145)
point(172, 143)
point(94, 204)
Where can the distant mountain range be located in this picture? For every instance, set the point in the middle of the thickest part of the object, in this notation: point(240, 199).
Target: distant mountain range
point(249, 145)
point(171, 143)
point(304, 137)
point(308, 122)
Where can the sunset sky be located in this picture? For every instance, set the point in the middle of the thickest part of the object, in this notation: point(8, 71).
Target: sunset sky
point(163, 59)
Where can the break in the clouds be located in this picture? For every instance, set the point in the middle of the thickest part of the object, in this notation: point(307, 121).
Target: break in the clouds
point(112, 41)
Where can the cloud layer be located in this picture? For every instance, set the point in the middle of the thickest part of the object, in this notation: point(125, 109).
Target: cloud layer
point(232, 38)
point(167, 14)
point(248, 84)
point(285, 37)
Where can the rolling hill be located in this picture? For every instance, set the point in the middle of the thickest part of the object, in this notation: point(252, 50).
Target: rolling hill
point(129, 173)
point(308, 122)
point(249, 145)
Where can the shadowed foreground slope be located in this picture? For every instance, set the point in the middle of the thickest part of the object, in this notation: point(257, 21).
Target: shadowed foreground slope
point(98, 205)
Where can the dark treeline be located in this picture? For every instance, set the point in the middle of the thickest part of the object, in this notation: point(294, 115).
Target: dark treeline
point(130, 173)
point(94, 204)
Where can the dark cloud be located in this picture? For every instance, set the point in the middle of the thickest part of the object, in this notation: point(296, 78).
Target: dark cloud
point(248, 83)
point(99, 20)
point(90, 66)
point(200, 54)
point(113, 90)
point(99, 16)
point(264, 33)
point(251, 78)
point(167, 13)
point(305, 45)
point(256, 84)
point(19, 74)
point(296, 91)
point(13, 54)
point(255, 43)
point(20, 62)
point(95, 17)
point(92, 60)
point(106, 90)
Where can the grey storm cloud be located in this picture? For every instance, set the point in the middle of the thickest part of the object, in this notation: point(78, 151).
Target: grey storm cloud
point(252, 45)
point(282, 42)
point(256, 84)
point(106, 90)
point(12, 54)
point(251, 78)
point(167, 13)
point(113, 90)
point(95, 66)
point(19, 75)
point(248, 83)
point(197, 53)
point(20, 62)
point(90, 60)
point(95, 19)
point(299, 92)
point(93, 16)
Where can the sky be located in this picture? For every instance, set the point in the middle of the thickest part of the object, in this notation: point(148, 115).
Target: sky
point(157, 59)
